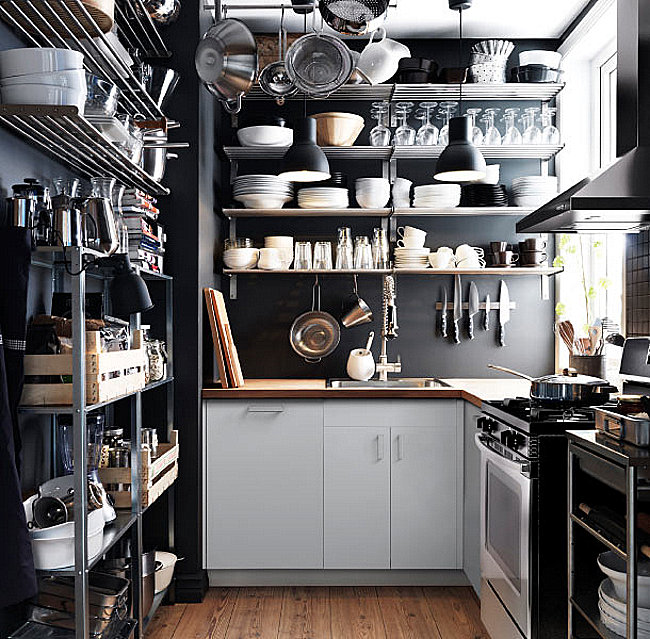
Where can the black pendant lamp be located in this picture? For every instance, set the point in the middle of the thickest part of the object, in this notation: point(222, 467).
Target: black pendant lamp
point(460, 161)
point(305, 161)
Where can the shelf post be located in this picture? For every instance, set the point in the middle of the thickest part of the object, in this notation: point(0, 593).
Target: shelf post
point(631, 552)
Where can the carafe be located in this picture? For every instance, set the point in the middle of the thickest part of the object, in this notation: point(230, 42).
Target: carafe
point(99, 213)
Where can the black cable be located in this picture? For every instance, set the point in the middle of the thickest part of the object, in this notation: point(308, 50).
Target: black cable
point(460, 57)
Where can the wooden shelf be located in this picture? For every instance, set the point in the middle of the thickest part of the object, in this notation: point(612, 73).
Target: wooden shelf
point(460, 211)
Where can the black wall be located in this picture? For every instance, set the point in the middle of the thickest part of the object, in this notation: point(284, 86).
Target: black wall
point(638, 285)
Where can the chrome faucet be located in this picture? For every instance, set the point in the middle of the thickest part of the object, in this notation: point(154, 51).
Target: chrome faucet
point(388, 331)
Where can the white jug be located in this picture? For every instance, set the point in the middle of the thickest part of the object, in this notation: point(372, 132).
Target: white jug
point(379, 60)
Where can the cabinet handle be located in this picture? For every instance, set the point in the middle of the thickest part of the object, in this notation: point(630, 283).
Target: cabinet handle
point(400, 447)
point(380, 447)
point(266, 409)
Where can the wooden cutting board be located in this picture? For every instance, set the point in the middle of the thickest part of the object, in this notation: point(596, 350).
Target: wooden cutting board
point(232, 358)
point(216, 340)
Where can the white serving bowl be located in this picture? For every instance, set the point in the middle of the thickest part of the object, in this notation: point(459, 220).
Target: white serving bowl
point(165, 572)
point(47, 94)
point(265, 135)
point(614, 568)
point(263, 201)
point(36, 60)
point(373, 199)
point(74, 79)
point(241, 257)
point(536, 56)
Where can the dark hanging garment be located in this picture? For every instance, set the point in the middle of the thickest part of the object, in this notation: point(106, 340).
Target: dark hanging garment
point(17, 576)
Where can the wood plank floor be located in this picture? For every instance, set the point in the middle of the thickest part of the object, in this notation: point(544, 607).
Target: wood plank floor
point(298, 612)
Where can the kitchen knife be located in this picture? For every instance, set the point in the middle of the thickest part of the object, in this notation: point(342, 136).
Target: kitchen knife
point(504, 312)
point(486, 320)
point(443, 316)
point(458, 308)
point(473, 308)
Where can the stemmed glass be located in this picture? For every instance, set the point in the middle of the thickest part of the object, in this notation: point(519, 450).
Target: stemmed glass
point(428, 133)
point(404, 133)
point(492, 134)
point(532, 133)
point(447, 111)
point(477, 134)
point(513, 134)
point(550, 133)
point(380, 133)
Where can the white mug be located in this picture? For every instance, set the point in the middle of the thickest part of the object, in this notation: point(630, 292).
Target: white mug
point(379, 60)
point(465, 250)
point(411, 236)
point(442, 260)
point(269, 259)
point(361, 364)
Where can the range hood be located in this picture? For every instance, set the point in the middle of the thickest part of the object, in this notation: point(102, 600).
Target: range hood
point(618, 198)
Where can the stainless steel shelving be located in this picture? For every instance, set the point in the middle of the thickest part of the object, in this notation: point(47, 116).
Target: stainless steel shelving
point(460, 211)
point(502, 272)
point(73, 141)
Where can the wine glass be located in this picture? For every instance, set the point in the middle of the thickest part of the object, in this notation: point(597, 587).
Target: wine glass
point(513, 134)
point(380, 133)
point(550, 133)
point(492, 134)
point(477, 134)
point(532, 133)
point(447, 111)
point(404, 133)
point(428, 133)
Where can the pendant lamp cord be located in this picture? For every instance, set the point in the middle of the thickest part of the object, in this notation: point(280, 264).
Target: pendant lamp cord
point(460, 57)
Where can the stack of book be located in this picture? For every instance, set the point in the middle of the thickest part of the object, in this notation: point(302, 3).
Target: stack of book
point(146, 236)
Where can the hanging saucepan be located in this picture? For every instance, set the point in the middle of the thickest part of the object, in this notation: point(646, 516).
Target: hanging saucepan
point(274, 79)
point(226, 61)
point(354, 17)
point(315, 334)
point(566, 390)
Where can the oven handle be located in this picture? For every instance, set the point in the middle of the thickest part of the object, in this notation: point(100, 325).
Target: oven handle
point(517, 466)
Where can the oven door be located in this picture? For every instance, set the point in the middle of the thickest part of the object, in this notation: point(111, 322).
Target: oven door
point(506, 491)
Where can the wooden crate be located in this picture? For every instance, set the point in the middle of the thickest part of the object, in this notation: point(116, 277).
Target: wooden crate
point(108, 375)
point(156, 476)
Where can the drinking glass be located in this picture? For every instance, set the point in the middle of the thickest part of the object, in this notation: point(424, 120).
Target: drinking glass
point(428, 133)
point(447, 111)
point(323, 256)
point(492, 134)
point(404, 133)
point(380, 133)
point(532, 133)
point(513, 135)
point(344, 250)
point(477, 134)
point(380, 249)
point(302, 256)
point(550, 134)
point(362, 252)
point(237, 242)
point(102, 187)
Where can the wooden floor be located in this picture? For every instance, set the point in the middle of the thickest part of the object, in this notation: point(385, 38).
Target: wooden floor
point(324, 613)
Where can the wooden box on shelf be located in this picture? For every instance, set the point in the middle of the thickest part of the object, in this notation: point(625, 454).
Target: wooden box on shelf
point(157, 475)
point(108, 375)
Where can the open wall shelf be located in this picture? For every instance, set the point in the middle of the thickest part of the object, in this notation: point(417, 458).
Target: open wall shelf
point(501, 272)
point(460, 211)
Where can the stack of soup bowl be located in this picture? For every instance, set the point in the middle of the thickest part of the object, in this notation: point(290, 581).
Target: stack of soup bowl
point(239, 253)
point(283, 244)
point(372, 193)
point(46, 76)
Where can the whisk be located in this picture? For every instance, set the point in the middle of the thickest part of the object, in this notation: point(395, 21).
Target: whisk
point(566, 331)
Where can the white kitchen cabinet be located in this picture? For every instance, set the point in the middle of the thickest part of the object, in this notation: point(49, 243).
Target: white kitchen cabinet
point(357, 497)
point(472, 500)
point(264, 484)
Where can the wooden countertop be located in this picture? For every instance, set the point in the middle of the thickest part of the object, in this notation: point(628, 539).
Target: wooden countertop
point(472, 390)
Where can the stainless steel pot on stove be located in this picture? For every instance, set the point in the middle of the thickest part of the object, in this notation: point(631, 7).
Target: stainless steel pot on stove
point(568, 389)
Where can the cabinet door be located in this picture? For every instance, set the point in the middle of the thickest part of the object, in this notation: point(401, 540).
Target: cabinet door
point(357, 497)
point(264, 484)
point(425, 497)
point(472, 500)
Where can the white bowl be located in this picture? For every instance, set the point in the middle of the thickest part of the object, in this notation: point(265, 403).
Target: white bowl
point(491, 174)
point(263, 201)
point(36, 60)
point(535, 56)
point(75, 79)
point(165, 572)
point(614, 568)
point(372, 199)
point(43, 94)
point(265, 136)
point(241, 257)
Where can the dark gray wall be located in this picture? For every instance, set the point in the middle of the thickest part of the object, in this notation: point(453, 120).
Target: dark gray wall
point(638, 285)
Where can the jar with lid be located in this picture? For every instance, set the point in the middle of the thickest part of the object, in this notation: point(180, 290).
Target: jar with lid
point(157, 357)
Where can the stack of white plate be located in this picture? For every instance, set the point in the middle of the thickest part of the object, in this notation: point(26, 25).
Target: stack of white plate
point(412, 257)
point(613, 612)
point(323, 197)
point(532, 191)
point(262, 191)
point(437, 196)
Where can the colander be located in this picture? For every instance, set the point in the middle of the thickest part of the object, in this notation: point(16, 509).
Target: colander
point(354, 17)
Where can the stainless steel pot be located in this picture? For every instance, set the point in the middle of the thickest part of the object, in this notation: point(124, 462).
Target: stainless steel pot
point(354, 17)
point(67, 222)
point(226, 62)
point(315, 334)
point(568, 389)
point(274, 79)
point(155, 153)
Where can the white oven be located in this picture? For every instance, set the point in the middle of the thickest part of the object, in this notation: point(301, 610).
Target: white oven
point(506, 492)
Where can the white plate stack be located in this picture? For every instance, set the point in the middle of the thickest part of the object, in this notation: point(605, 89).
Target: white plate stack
point(532, 191)
point(412, 257)
point(323, 197)
point(437, 196)
point(613, 612)
point(262, 191)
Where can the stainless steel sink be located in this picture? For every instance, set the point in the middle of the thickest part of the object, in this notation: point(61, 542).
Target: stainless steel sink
point(405, 382)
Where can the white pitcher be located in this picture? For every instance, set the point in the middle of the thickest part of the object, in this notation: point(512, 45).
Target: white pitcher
point(379, 60)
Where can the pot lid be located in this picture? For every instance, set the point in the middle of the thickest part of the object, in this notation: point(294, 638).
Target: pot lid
point(30, 186)
point(581, 380)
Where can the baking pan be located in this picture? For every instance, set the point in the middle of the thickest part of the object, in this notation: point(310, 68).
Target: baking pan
point(635, 430)
point(105, 591)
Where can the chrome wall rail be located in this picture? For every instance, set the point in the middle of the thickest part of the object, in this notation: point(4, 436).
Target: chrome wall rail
point(68, 24)
point(72, 140)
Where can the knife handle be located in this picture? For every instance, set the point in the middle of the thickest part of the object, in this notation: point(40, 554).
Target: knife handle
point(470, 327)
point(486, 321)
point(456, 333)
point(443, 324)
point(502, 335)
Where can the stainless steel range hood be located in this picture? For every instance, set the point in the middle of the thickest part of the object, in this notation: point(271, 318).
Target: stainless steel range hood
point(618, 198)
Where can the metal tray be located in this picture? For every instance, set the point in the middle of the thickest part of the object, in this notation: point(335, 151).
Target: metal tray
point(105, 591)
point(623, 427)
point(59, 619)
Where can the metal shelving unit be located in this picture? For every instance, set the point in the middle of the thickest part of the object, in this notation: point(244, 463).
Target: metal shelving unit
point(460, 211)
point(129, 522)
point(503, 272)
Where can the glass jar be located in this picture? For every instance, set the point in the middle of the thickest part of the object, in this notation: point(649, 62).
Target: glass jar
point(157, 357)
